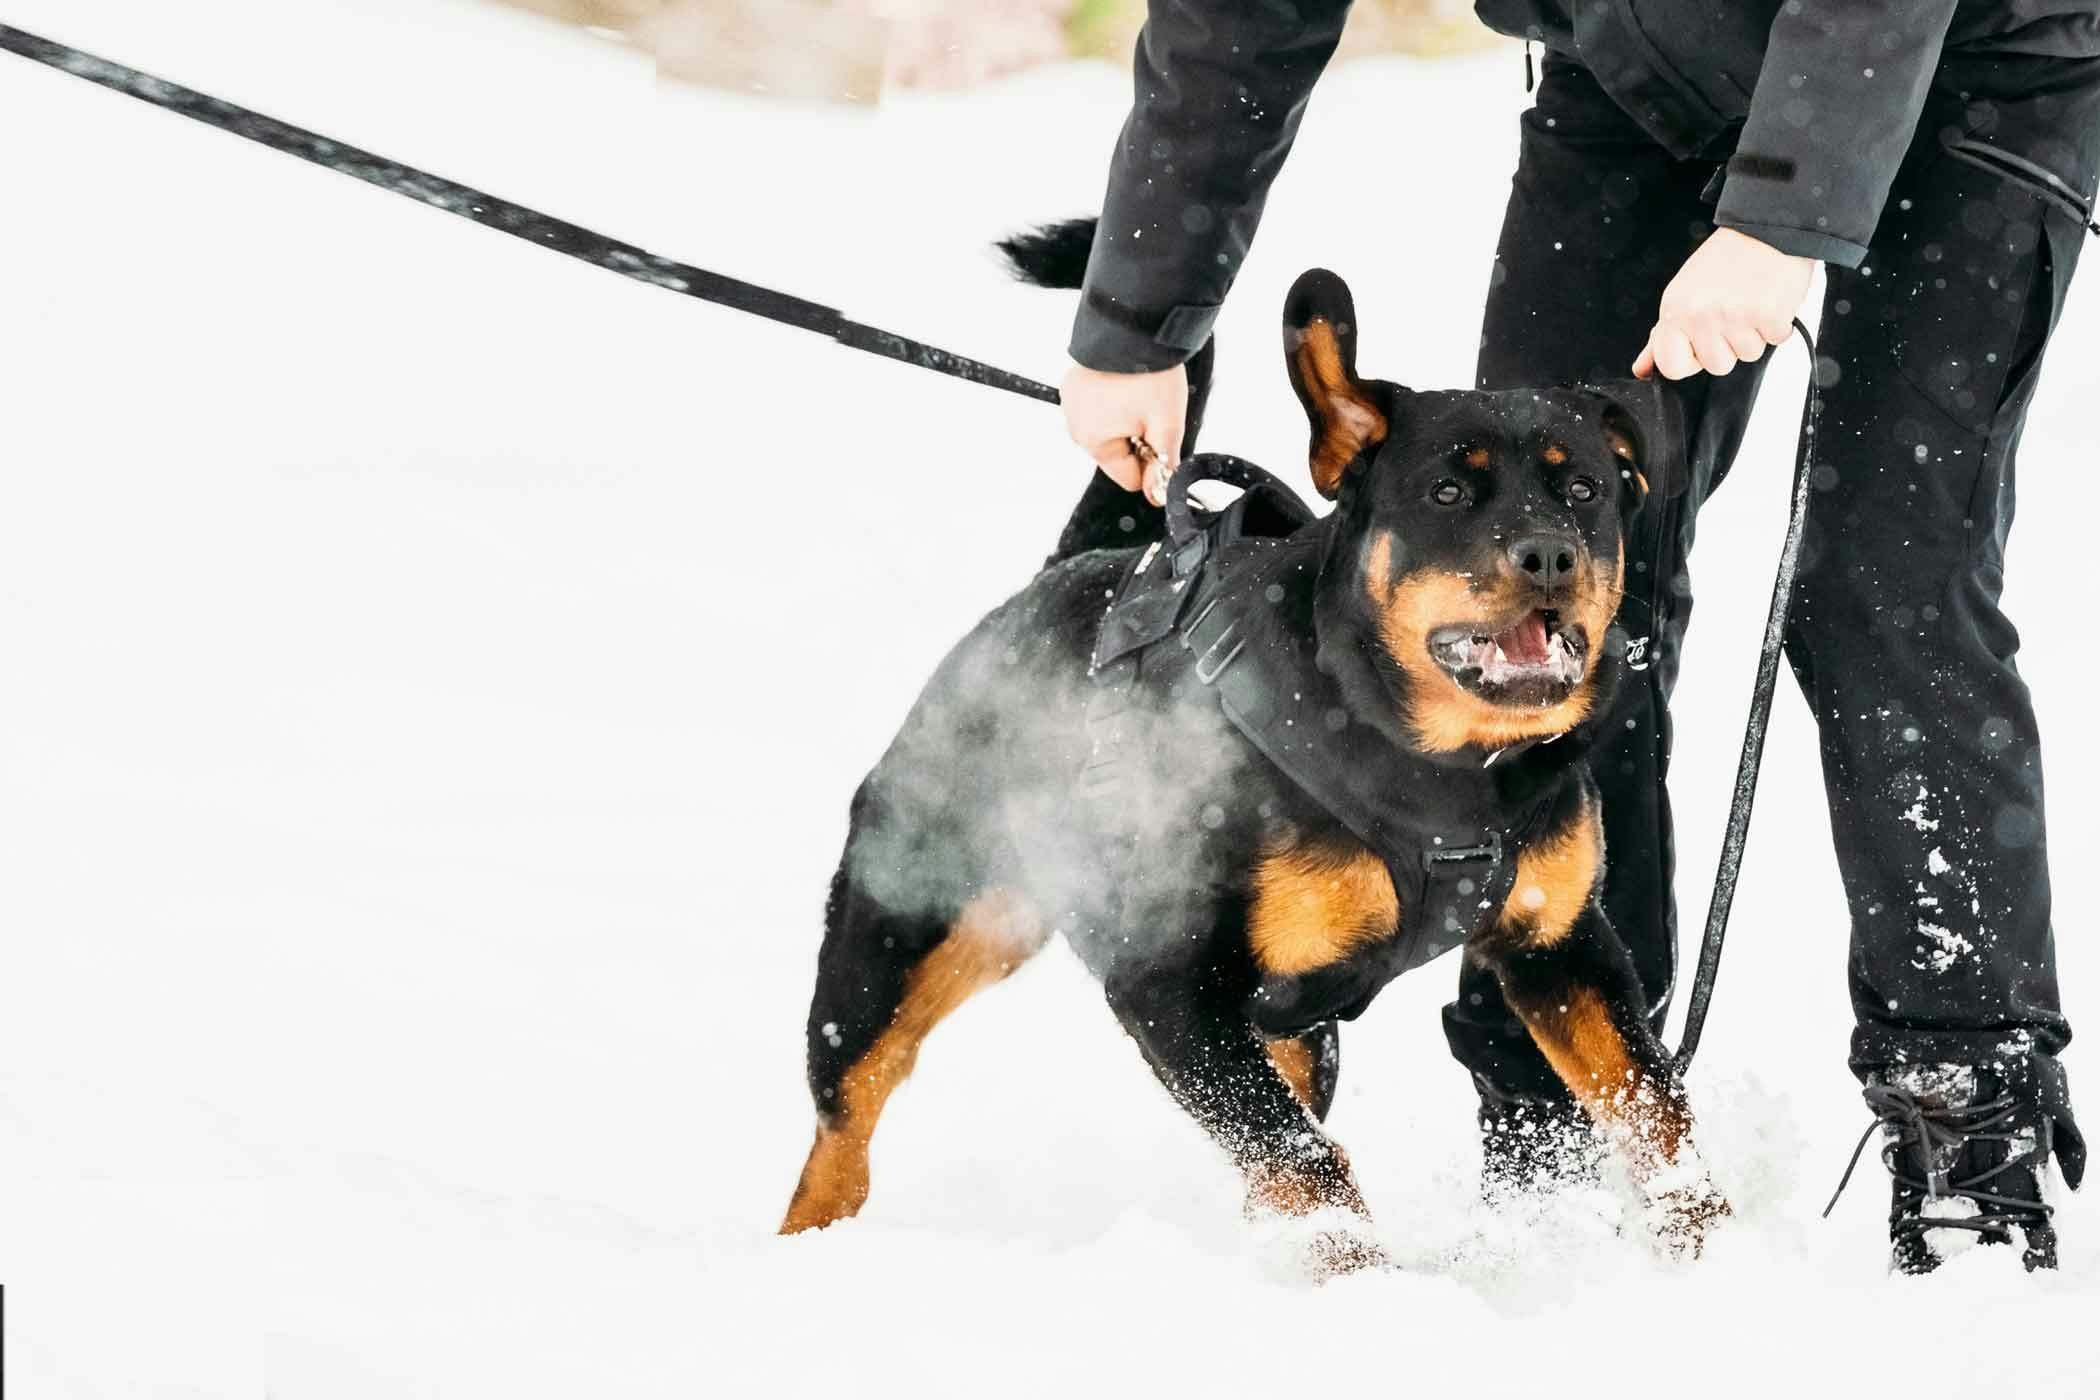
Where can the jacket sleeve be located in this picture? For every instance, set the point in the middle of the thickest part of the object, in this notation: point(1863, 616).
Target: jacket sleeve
point(1836, 106)
point(1221, 85)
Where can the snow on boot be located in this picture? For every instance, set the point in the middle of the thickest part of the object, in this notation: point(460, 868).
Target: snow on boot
point(1963, 1155)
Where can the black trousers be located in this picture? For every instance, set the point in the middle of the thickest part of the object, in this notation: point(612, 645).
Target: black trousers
point(1928, 356)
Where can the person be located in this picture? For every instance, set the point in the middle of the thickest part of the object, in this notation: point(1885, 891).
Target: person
point(1683, 168)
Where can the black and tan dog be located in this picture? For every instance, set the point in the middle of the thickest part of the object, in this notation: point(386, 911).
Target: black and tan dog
point(1457, 606)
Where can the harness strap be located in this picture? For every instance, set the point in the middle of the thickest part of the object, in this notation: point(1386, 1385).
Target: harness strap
point(1211, 589)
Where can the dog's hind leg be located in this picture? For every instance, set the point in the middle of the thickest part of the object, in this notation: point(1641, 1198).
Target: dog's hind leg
point(884, 980)
point(1311, 1064)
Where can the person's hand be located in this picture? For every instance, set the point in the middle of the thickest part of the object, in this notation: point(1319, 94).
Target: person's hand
point(1130, 424)
point(1734, 296)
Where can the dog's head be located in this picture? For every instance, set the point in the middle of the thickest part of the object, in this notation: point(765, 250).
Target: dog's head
point(1480, 545)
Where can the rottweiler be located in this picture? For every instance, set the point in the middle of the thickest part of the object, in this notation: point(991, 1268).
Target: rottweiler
point(1455, 609)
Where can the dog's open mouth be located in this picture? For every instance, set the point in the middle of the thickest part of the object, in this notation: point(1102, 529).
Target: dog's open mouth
point(1535, 660)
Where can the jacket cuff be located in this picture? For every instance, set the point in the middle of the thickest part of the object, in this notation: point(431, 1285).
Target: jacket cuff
point(1800, 242)
point(1110, 337)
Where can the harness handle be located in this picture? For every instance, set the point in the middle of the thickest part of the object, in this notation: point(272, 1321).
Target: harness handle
point(1182, 526)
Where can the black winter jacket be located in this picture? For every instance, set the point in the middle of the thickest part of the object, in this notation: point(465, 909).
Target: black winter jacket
point(1815, 100)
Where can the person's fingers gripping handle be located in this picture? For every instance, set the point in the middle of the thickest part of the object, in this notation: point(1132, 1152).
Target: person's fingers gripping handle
point(1131, 425)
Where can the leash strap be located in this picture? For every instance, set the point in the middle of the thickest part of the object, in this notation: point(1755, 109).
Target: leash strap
point(637, 264)
point(543, 230)
point(1745, 795)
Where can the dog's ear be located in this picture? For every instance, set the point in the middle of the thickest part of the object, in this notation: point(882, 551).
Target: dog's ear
point(1644, 426)
point(1319, 348)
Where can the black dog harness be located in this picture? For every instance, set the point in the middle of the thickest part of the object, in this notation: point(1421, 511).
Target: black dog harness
point(1224, 606)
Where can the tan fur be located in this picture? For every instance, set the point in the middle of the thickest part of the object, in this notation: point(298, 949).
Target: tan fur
point(1281, 1191)
point(1585, 1049)
point(1316, 902)
point(994, 935)
point(1556, 455)
point(1294, 1061)
point(1591, 1057)
point(1444, 715)
point(1478, 458)
point(1622, 447)
point(1555, 879)
point(1349, 421)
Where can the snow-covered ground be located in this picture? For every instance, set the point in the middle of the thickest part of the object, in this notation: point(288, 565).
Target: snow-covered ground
point(431, 677)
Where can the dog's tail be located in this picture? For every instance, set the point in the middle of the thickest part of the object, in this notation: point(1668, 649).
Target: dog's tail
point(1107, 517)
point(1051, 255)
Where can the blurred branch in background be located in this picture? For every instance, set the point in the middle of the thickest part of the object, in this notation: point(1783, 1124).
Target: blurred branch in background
point(848, 50)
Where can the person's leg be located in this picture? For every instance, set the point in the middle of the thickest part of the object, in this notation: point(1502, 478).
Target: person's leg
point(1930, 749)
point(1599, 219)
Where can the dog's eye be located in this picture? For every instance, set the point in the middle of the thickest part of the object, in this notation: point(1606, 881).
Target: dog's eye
point(1581, 491)
point(1447, 492)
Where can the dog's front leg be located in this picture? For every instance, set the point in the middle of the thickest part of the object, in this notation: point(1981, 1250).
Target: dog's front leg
point(1214, 1063)
point(1576, 992)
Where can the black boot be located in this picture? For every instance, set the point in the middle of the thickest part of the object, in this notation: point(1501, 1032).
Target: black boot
point(1962, 1154)
point(1529, 1144)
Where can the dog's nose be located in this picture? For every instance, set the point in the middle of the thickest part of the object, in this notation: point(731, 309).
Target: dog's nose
point(1547, 560)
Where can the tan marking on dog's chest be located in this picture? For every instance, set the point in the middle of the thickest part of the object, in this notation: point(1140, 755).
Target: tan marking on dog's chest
point(1554, 882)
point(1316, 902)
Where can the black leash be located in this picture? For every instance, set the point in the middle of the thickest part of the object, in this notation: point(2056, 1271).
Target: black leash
point(514, 219)
point(639, 265)
point(1768, 657)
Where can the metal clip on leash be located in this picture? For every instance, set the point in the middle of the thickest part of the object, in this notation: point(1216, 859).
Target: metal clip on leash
point(1768, 657)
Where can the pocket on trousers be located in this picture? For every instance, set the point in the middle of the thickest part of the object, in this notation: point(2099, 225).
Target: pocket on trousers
point(1965, 249)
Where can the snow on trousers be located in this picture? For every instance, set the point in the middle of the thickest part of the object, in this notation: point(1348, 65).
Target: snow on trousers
point(1929, 356)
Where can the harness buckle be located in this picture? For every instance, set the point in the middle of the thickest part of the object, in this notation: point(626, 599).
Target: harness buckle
point(1434, 857)
point(1208, 670)
point(1209, 663)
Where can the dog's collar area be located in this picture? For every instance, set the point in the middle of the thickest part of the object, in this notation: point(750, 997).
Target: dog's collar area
point(1495, 756)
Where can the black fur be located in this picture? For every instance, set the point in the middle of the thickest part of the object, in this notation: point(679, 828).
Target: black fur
point(1051, 255)
point(980, 791)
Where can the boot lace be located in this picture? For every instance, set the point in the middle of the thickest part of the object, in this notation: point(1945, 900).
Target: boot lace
point(1937, 1133)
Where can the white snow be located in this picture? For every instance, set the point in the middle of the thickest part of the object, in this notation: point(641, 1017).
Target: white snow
point(433, 677)
point(1917, 813)
point(1946, 946)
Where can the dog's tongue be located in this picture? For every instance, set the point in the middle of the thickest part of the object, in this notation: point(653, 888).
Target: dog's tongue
point(1525, 643)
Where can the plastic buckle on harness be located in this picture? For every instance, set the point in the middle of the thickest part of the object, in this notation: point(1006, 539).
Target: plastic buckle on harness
point(1434, 858)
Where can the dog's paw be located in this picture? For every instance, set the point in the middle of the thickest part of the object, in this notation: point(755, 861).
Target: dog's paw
point(1333, 1253)
point(1317, 1181)
point(1316, 1247)
point(1683, 1216)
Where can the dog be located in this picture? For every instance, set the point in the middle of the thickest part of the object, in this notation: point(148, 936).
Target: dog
point(1453, 616)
